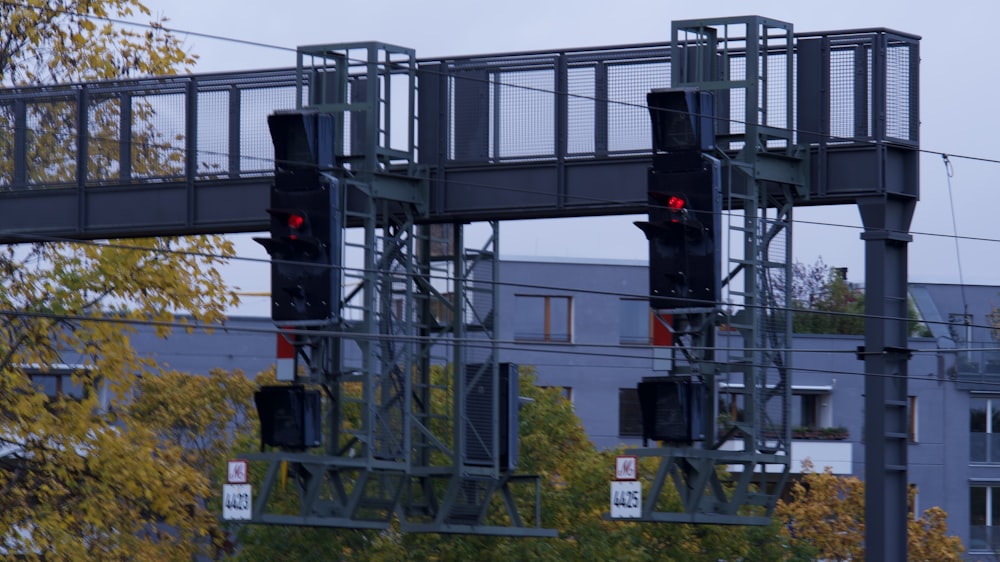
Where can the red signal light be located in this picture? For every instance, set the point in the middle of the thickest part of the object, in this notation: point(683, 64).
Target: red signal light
point(675, 203)
point(296, 221)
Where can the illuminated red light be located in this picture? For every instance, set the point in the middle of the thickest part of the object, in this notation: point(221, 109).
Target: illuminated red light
point(675, 203)
point(296, 221)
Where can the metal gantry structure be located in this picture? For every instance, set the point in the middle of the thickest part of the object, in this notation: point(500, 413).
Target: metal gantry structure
point(494, 137)
point(408, 360)
point(747, 63)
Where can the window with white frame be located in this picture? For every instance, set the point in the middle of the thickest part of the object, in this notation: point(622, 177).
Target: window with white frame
point(543, 318)
point(805, 411)
point(811, 407)
point(984, 517)
point(984, 430)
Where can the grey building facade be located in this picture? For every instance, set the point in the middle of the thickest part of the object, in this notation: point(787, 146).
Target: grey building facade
point(585, 328)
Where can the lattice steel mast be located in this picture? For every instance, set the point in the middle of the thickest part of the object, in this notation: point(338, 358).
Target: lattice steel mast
point(747, 64)
point(413, 337)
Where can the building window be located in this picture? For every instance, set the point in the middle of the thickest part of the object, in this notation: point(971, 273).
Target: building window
point(629, 416)
point(805, 410)
point(912, 411)
point(635, 320)
point(812, 407)
point(565, 391)
point(731, 408)
point(57, 385)
point(543, 318)
point(984, 430)
point(984, 517)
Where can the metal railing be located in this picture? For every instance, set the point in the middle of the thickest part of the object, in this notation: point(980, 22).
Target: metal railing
point(538, 106)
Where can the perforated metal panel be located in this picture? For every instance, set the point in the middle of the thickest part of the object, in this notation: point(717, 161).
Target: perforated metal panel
point(490, 416)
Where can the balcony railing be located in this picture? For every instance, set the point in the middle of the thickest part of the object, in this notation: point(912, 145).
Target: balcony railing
point(984, 538)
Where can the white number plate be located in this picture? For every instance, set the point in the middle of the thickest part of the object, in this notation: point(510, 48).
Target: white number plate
point(626, 500)
point(237, 502)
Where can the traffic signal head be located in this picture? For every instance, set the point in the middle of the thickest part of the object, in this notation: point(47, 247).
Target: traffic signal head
point(289, 416)
point(306, 221)
point(305, 249)
point(683, 232)
point(293, 235)
point(683, 127)
point(672, 409)
point(303, 147)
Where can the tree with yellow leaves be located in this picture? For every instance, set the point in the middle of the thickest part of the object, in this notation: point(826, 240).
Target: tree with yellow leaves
point(83, 476)
point(207, 418)
point(826, 513)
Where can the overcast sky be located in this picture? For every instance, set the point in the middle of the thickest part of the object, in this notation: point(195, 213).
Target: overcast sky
point(958, 111)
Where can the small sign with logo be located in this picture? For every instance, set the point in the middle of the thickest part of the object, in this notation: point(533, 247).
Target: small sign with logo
point(236, 471)
point(626, 467)
point(626, 490)
point(237, 496)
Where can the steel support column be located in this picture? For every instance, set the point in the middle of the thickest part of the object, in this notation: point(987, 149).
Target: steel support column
point(886, 221)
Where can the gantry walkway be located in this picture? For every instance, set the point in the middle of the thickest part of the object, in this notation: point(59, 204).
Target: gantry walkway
point(503, 136)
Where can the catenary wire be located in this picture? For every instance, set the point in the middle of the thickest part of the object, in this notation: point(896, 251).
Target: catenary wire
point(149, 26)
point(488, 80)
point(491, 81)
point(503, 345)
point(949, 173)
point(577, 290)
point(544, 287)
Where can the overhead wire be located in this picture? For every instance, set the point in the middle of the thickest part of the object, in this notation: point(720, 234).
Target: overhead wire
point(949, 173)
point(493, 82)
point(540, 286)
point(825, 371)
point(588, 350)
point(149, 26)
point(598, 292)
point(237, 40)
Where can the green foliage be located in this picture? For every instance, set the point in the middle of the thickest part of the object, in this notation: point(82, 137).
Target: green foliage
point(823, 518)
point(575, 479)
point(823, 302)
point(199, 413)
point(84, 476)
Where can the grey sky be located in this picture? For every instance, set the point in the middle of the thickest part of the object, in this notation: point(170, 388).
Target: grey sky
point(957, 102)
